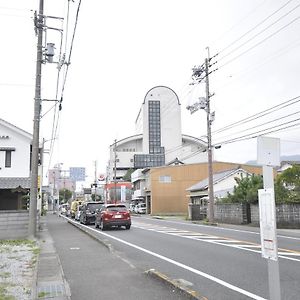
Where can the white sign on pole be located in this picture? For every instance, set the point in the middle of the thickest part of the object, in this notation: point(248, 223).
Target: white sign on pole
point(267, 219)
point(268, 151)
point(123, 193)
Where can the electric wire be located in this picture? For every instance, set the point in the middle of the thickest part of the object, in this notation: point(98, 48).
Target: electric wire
point(238, 23)
point(259, 114)
point(256, 26)
point(260, 125)
point(259, 64)
point(259, 33)
point(259, 132)
point(66, 71)
point(259, 43)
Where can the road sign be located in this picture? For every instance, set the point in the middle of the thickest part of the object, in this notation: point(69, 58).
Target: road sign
point(267, 219)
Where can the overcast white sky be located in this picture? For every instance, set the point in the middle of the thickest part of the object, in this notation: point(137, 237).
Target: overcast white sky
point(124, 48)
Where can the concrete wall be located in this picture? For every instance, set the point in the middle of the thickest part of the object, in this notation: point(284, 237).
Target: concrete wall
point(14, 224)
point(287, 215)
point(231, 213)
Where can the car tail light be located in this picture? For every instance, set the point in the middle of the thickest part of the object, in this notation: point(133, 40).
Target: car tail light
point(107, 216)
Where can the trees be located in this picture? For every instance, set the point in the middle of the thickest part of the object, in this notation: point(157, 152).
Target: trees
point(246, 190)
point(64, 195)
point(286, 186)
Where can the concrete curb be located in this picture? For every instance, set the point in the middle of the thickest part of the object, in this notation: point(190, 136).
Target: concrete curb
point(191, 294)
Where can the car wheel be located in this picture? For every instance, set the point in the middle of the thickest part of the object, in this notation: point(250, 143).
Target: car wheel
point(127, 226)
point(102, 227)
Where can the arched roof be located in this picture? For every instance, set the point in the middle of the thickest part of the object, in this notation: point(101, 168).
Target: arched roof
point(128, 139)
point(161, 86)
point(190, 138)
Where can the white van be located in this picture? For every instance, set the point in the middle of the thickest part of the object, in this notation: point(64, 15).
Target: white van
point(141, 208)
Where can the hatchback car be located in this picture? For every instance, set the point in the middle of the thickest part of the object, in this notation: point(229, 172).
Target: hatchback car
point(113, 215)
point(88, 212)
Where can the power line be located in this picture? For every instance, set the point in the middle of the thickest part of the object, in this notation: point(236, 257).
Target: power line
point(260, 64)
point(238, 23)
point(268, 122)
point(259, 114)
point(261, 132)
point(259, 33)
point(257, 25)
point(260, 42)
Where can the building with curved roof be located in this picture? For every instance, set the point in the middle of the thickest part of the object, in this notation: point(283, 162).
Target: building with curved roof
point(158, 139)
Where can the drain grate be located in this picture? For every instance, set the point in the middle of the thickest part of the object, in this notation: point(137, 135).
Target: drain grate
point(50, 290)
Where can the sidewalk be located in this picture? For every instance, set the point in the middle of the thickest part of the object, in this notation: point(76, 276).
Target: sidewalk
point(51, 283)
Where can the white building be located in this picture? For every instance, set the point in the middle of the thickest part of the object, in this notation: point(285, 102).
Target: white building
point(15, 160)
point(158, 139)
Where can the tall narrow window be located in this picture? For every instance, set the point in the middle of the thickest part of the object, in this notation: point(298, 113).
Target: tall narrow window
point(8, 159)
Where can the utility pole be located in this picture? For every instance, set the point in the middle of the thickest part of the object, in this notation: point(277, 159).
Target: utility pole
point(209, 150)
point(95, 185)
point(115, 171)
point(36, 125)
point(204, 103)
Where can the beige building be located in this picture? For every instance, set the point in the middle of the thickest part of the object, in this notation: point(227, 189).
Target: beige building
point(166, 187)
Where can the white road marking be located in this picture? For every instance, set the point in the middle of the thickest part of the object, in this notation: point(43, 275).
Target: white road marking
point(181, 265)
point(229, 229)
point(236, 244)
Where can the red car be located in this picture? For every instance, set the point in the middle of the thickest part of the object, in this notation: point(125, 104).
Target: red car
point(113, 215)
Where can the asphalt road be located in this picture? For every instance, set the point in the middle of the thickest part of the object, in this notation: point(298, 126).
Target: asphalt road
point(219, 263)
point(93, 272)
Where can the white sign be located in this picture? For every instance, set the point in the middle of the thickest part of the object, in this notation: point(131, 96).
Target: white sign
point(123, 193)
point(268, 151)
point(267, 217)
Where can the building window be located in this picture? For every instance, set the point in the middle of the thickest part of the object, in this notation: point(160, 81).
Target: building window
point(165, 179)
point(154, 127)
point(8, 159)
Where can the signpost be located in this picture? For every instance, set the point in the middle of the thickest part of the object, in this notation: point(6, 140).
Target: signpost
point(268, 155)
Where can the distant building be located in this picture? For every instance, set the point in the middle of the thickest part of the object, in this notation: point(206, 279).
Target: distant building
point(59, 179)
point(77, 174)
point(158, 140)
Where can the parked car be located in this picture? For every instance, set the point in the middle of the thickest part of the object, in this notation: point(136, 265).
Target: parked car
point(88, 212)
point(140, 208)
point(113, 215)
point(64, 208)
point(132, 206)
